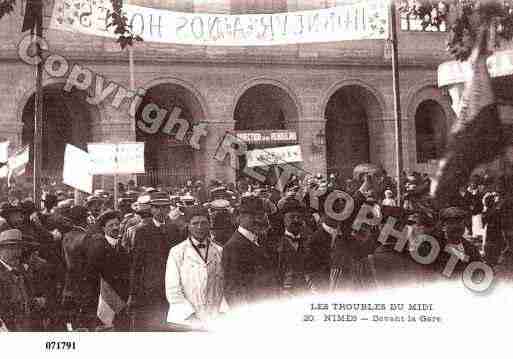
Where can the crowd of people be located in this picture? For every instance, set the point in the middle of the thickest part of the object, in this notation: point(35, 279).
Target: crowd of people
point(174, 259)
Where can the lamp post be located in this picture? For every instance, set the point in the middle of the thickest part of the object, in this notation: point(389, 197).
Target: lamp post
point(320, 139)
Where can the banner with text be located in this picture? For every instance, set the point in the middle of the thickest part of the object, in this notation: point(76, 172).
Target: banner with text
point(117, 158)
point(360, 20)
point(274, 156)
point(267, 137)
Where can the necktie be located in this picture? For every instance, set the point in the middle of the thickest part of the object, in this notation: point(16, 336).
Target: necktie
point(201, 246)
point(300, 245)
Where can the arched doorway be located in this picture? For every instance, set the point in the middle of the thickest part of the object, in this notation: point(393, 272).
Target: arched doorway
point(264, 107)
point(347, 129)
point(169, 160)
point(67, 119)
point(430, 131)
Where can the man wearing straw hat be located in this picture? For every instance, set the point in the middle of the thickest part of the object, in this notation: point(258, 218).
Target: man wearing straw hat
point(152, 241)
point(16, 304)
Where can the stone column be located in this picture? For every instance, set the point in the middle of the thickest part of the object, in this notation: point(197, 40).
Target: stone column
point(313, 152)
point(213, 168)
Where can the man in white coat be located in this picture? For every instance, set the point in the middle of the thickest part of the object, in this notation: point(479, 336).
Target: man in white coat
point(194, 275)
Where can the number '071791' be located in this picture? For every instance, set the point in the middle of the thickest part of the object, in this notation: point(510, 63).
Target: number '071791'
point(60, 345)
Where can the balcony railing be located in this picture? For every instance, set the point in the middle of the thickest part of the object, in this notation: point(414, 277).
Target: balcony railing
point(424, 16)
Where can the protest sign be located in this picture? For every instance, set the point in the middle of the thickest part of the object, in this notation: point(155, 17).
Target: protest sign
point(117, 158)
point(77, 169)
point(274, 156)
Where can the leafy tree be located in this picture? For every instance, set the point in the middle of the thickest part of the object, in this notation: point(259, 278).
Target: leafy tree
point(472, 15)
point(117, 19)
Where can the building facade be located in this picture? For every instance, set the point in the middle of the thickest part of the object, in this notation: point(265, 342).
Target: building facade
point(337, 97)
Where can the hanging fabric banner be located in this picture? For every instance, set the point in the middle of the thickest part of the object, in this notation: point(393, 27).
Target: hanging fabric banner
point(357, 21)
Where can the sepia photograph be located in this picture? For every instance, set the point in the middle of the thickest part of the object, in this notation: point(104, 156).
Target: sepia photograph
point(252, 168)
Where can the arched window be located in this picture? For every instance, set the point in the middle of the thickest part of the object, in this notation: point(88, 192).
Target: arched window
point(430, 131)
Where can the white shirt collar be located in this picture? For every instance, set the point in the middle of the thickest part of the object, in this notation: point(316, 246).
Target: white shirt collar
point(249, 235)
point(112, 241)
point(157, 223)
point(289, 235)
point(196, 242)
point(9, 268)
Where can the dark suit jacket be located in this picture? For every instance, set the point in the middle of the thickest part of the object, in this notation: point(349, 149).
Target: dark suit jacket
point(15, 298)
point(250, 271)
point(388, 268)
point(323, 259)
point(102, 261)
point(319, 260)
point(75, 251)
point(293, 275)
point(148, 262)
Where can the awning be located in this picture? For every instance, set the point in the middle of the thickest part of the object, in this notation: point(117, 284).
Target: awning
point(454, 72)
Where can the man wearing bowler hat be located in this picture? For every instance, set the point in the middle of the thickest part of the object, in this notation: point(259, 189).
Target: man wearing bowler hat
point(250, 268)
point(152, 240)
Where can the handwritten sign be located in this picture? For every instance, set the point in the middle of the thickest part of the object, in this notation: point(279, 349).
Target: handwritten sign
point(130, 157)
point(77, 169)
point(117, 158)
point(274, 156)
point(357, 21)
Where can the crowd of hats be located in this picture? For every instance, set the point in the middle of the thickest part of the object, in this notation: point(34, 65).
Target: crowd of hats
point(224, 199)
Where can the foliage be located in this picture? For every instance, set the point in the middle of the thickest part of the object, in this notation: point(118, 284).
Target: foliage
point(432, 14)
point(120, 22)
point(465, 17)
point(6, 7)
point(473, 14)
